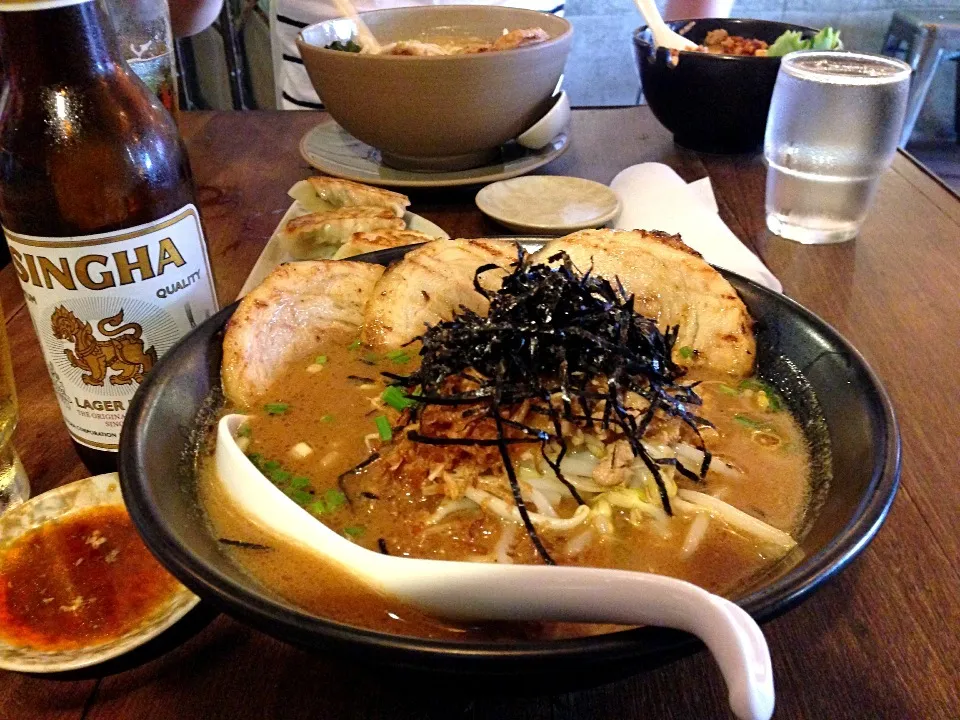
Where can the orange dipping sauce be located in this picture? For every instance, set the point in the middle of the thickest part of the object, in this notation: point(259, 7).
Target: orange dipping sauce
point(79, 581)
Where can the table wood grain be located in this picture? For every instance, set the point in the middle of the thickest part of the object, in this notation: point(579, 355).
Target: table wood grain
point(879, 641)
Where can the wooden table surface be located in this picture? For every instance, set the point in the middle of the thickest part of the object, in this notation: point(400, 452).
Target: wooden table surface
point(880, 641)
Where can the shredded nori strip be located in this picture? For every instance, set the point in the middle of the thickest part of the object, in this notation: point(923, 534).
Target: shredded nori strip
point(341, 478)
point(382, 544)
point(243, 544)
point(553, 331)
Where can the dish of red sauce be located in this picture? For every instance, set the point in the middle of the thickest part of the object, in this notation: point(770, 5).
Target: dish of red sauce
point(81, 580)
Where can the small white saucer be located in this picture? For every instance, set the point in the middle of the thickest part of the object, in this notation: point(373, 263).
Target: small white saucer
point(549, 204)
point(101, 490)
point(331, 149)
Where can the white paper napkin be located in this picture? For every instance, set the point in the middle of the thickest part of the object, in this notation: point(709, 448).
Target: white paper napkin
point(654, 197)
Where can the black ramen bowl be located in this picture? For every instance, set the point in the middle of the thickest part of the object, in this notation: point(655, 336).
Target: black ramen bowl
point(833, 393)
point(711, 103)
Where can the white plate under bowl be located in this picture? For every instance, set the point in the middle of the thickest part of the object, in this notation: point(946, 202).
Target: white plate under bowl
point(101, 490)
point(549, 204)
point(331, 149)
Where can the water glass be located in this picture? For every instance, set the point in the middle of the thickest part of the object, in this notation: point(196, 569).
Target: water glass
point(14, 487)
point(833, 127)
point(146, 40)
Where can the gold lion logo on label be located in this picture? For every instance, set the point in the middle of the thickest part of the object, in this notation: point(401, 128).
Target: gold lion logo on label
point(122, 350)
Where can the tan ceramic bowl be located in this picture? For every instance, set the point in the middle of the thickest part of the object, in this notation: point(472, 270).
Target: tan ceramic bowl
point(437, 113)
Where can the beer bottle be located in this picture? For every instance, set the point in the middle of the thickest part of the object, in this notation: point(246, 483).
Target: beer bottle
point(98, 209)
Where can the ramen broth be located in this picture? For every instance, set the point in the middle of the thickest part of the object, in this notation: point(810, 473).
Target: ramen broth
point(332, 405)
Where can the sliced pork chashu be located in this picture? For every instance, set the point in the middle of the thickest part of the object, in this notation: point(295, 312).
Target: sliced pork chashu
point(673, 284)
point(288, 316)
point(428, 285)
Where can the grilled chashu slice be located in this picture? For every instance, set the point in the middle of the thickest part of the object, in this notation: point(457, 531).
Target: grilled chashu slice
point(289, 316)
point(673, 284)
point(428, 285)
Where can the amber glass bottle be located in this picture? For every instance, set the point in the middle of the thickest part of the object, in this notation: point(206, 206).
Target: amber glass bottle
point(98, 209)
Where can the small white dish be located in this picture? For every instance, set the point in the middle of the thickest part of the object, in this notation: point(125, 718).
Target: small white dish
point(549, 204)
point(331, 149)
point(98, 491)
point(555, 121)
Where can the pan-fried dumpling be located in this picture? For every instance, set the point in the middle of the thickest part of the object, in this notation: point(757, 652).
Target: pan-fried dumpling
point(673, 284)
point(364, 242)
point(319, 194)
point(318, 235)
point(287, 317)
point(428, 285)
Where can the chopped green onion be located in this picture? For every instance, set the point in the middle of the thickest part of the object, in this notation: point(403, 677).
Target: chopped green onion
point(270, 466)
point(317, 508)
point(256, 459)
point(354, 530)
point(399, 356)
point(685, 352)
point(299, 482)
point(727, 390)
point(396, 398)
point(320, 360)
point(280, 476)
point(383, 427)
point(327, 418)
point(354, 345)
point(750, 422)
point(276, 408)
point(244, 431)
point(334, 499)
point(301, 497)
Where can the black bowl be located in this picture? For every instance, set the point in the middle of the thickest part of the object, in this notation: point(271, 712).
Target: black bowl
point(827, 383)
point(711, 103)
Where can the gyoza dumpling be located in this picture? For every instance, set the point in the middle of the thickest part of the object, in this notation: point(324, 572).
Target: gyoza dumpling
point(364, 242)
point(319, 234)
point(318, 194)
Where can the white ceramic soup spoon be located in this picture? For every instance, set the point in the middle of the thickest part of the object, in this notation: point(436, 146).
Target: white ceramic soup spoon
point(662, 35)
point(480, 591)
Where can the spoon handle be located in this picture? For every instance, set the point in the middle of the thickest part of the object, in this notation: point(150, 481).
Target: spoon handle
point(575, 594)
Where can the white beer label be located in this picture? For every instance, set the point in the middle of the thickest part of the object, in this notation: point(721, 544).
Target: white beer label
point(105, 307)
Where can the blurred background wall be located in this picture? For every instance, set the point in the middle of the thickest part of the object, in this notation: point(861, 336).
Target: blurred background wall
point(601, 69)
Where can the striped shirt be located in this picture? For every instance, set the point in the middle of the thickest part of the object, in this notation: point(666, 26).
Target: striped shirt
point(295, 92)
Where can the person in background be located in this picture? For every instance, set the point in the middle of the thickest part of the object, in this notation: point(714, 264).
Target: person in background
point(682, 9)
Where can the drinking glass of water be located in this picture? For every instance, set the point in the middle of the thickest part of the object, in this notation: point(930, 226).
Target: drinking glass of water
point(833, 128)
point(14, 488)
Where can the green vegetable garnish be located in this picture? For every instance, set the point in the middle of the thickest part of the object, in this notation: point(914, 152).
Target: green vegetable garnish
point(301, 497)
point(256, 459)
point(317, 508)
point(327, 418)
point(276, 408)
point(244, 431)
point(354, 345)
point(398, 356)
point(320, 360)
point(792, 41)
point(371, 357)
point(396, 398)
point(383, 427)
point(354, 530)
point(727, 390)
point(299, 482)
point(750, 422)
point(685, 352)
point(270, 466)
point(279, 476)
point(334, 499)
point(350, 45)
